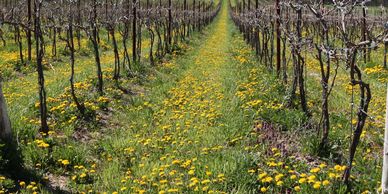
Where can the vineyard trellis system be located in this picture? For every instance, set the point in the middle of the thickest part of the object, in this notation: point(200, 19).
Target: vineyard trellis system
point(164, 22)
point(338, 35)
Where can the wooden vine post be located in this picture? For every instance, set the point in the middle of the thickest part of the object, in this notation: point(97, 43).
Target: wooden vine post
point(169, 28)
point(384, 179)
point(277, 26)
point(385, 52)
point(134, 30)
point(29, 34)
point(363, 31)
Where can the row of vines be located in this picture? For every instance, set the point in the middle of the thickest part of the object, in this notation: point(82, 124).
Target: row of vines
point(40, 25)
point(312, 40)
point(90, 50)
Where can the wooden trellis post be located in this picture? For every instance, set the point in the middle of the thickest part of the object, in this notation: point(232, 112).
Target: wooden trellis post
point(385, 52)
point(384, 179)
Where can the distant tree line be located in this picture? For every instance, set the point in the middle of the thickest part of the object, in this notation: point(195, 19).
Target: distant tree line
point(371, 3)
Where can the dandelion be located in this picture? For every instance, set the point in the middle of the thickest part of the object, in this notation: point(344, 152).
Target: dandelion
point(302, 180)
point(317, 185)
point(173, 190)
point(263, 189)
point(279, 176)
point(323, 165)
point(65, 162)
point(325, 182)
point(343, 168)
point(311, 178)
point(123, 188)
point(337, 167)
point(262, 175)
point(315, 170)
point(267, 179)
point(297, 188)
point(82, 175)
point(251, 171)
point(279, 183)
point(271, 164)
point(365, 192)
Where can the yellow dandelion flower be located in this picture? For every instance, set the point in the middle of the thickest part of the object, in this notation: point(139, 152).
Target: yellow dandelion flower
point(302, 180)
point(123, 188)
point(267, 179)
point(337, 167)
point(325, 182)
point(263, 189)
point(173, 190)
point(365, 192)
point(82, 175)
point(315, 170)
point(65, 162)
point(279, 176)
point(262, 175)
point(311, 178)
point(317, 185)
point(323, 165)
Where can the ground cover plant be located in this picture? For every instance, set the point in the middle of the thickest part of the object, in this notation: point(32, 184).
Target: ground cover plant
point(192, 96)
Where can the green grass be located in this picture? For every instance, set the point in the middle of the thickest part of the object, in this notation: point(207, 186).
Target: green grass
point(109, 141)
point(200, 122)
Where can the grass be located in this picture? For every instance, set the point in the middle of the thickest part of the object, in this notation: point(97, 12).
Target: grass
point(134, 118)
point(209, 121)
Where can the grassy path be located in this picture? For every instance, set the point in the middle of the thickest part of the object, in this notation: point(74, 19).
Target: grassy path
point(182, 135)
point(203, 122)
point(184, 131)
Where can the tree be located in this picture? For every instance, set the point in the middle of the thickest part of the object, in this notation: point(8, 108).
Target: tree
point(70, 43)
point(39, 46)
point(93, 37)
